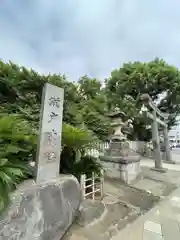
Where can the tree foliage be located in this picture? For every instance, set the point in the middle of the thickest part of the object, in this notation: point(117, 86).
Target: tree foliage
point(21, 90)
point(160, 80)
point(75, 143)
point(94, 106)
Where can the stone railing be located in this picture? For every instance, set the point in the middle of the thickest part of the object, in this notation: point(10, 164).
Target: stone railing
point(143, 148)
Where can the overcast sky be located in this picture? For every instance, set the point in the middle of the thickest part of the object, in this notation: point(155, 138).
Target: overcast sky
point(78, 37)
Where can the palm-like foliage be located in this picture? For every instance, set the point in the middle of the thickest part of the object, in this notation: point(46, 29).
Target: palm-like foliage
point(78, 139)
point(75, 143)
point(10, 176)
point(17, 147)
point(17, 140)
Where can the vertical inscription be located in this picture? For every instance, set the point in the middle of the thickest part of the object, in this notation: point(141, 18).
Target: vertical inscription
point(49, 146)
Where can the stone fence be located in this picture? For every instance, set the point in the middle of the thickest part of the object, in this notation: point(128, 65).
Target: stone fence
point(143, 148)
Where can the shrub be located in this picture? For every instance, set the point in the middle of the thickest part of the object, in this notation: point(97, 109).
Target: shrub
point(10, 176)
point(75, 143)
point(17, 148)
point(87, 165)
point(17, 139)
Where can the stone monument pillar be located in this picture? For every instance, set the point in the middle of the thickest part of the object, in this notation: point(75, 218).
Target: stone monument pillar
point(49, 145)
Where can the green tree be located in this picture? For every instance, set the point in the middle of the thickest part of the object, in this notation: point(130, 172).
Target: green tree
point(94, 106)
point(89, 87)
point(160, 80)
point(21, 90)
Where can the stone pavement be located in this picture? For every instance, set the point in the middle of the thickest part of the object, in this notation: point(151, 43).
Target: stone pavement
point(160, 223)
point(125, 203)
point(147, 162)
point(176, 156)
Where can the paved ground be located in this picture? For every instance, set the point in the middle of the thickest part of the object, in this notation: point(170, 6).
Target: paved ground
point(163, 221)
point(160, 223)
point(150, 163)
point(120, 219)
point(124, 204)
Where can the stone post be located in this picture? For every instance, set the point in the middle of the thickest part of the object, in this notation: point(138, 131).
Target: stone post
point(156, 142)
point(49, 144)
point(167, 148)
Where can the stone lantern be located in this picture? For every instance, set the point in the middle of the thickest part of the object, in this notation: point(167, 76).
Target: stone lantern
point(119, 160)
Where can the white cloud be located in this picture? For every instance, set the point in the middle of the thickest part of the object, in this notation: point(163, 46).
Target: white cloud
point(88, 36)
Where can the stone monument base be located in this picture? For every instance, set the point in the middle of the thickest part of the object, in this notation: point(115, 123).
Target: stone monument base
point(128, 170)
point(42, 211)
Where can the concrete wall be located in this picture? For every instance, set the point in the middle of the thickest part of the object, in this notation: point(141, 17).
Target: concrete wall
point(41, 212)
point(137, 145)
point(143, 148)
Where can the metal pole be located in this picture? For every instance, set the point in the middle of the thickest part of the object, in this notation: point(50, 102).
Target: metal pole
point(156, 142)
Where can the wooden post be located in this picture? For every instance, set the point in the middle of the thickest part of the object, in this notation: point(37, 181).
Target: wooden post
point(93, 186)
point(83, 185)
point(102, 184)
